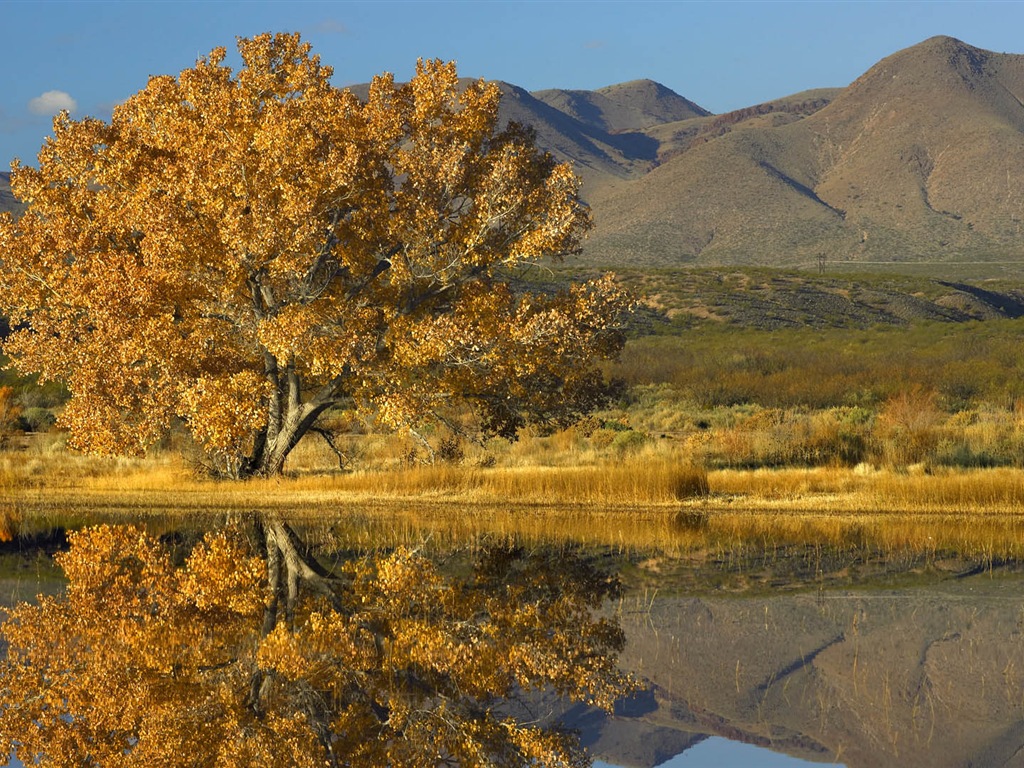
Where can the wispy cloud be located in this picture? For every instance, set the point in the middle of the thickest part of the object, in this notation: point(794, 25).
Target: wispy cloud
point(11, 123)
point(331, 27)
point(7, 123)
point(52, 102)
point(595, 45)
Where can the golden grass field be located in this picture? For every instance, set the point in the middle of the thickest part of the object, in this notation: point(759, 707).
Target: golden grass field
point(650, 497)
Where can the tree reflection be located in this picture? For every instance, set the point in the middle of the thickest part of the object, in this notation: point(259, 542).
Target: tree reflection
point(248, 653)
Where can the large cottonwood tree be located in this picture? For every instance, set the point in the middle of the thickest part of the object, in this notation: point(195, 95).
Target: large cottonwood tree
point(240, 251)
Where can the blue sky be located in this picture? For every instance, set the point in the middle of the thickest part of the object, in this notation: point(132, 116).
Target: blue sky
point(723, 55)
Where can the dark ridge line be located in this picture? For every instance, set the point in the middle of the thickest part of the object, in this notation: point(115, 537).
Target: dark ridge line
point(803, 189)
point(1007, 305)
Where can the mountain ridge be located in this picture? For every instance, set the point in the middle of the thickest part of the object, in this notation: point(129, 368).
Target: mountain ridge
point(912, 162)
point(909, 162)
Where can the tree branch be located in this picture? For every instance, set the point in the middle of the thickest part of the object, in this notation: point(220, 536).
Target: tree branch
point(383, 265)
point(329, 439)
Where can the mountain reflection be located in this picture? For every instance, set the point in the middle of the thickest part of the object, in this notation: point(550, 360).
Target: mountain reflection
point(926, 671)
point(246, 650)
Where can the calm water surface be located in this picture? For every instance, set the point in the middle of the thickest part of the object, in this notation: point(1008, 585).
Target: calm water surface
point(717, 752)
point(795, 657)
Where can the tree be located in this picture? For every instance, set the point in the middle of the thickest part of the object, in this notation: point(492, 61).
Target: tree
point(239, 252)
point(396, 663)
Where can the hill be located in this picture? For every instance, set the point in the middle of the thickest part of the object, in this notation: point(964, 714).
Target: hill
point(913, 161)
point(765, 299)
point(602, 133)
point(7, 199)
point(599, 155)
point(632, 106)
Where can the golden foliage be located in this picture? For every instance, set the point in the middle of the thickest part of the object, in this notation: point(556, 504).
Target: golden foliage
point(243, 250)
point(9, 520)
point(146, 663)
point(10, 412)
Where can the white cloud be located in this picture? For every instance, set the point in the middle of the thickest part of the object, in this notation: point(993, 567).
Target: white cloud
point(52, 102)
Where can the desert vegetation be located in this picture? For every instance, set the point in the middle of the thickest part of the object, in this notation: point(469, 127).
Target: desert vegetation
point(918, 416)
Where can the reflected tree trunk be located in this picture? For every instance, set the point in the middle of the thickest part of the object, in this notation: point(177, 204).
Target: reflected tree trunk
point(250, 652)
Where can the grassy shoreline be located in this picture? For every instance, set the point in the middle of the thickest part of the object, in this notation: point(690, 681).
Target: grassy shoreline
point(645, 500)
point(645, 481)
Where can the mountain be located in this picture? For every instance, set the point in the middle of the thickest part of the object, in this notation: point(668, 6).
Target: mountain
point(7, 200)
point(604, 133)
point(599, 155)
point(914, 161)
point(631, 106)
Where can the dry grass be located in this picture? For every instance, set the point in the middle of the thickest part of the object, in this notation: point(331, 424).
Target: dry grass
point(988, 539)
point(831, 490)
point(632, 482)
point(651, 497)
point(658, 476)
point(49, 478)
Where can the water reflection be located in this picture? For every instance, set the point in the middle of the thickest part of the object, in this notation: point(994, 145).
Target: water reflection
point(716, 752)
point(245, 650)
point(922, 670)
point(860, 652)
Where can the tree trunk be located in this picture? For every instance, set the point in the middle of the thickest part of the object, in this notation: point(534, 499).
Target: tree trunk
point(288, 419)
point(289, 565)
point(296, 423)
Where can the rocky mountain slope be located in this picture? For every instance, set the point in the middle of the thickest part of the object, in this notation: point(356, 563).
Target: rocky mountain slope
point(914, 161)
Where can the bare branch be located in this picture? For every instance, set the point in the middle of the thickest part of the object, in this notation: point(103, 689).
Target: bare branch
point(328, 438)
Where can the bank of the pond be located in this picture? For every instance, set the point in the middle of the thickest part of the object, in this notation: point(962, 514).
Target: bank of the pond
point(649, 483)
point(641, 501)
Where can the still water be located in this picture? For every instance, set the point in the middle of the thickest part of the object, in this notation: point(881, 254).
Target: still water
point(798, 656)
point(716, 752)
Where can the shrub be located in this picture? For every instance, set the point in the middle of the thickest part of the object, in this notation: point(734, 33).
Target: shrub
point(450, 450)
point(960, 454)
point(907, 426)
point(37, 419)
point(603, 437)
point(628, 441)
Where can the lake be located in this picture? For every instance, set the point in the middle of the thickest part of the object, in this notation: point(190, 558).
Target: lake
point(783, 654)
